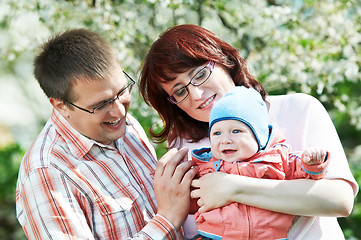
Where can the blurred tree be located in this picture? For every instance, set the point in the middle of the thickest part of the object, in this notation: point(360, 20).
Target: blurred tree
point(10, 157)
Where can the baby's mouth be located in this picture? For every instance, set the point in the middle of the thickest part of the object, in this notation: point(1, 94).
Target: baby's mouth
point(228, 151)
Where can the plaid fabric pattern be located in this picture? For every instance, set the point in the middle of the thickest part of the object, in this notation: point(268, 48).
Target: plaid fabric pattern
point(71, 187)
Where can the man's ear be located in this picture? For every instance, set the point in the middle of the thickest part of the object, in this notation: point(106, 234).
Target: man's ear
point(60, 106)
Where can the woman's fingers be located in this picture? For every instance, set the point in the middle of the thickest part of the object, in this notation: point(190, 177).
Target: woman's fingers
point(196, 193)
point(196, 183)
point(212, 190)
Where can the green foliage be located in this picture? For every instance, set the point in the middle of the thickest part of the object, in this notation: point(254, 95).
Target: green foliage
point(351, 225)
point(10, 158)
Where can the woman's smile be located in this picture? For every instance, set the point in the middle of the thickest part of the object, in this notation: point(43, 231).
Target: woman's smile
point(207, 102)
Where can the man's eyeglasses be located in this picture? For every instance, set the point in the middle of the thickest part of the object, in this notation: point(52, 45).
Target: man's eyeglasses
point(198, 79)
point(104, 107)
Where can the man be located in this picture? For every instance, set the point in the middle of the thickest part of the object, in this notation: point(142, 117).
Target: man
point(89, 174)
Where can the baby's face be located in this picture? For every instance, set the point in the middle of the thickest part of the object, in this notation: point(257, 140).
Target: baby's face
point(232, 140)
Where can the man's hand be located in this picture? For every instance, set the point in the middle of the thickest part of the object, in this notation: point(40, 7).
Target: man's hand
point(172, 182)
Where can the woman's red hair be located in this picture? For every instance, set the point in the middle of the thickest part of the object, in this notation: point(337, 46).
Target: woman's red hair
point(177, 50)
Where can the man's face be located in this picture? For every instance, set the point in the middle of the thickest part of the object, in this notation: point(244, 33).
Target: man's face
point(102, 126)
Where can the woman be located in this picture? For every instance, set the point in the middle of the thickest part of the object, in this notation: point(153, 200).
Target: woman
point(170, 83)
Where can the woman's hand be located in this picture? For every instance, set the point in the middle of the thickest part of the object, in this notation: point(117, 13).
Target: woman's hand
point(172, 182)
point(214, 190)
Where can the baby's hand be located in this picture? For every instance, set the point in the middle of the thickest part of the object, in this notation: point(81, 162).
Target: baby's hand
point(314, 155)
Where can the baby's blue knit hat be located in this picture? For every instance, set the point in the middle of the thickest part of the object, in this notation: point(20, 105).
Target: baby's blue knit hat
point(245, 105)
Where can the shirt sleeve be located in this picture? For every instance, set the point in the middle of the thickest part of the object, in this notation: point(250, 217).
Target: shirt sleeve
point(305, 123)
point(320, 131)
point(159, 228)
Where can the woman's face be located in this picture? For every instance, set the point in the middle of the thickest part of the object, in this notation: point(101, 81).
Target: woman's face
point(200, 100)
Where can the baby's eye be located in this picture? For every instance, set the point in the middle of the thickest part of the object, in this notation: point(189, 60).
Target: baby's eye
point(236, 131)
point(217, 133)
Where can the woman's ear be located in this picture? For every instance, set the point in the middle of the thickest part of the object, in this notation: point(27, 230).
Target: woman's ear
point(60, 106)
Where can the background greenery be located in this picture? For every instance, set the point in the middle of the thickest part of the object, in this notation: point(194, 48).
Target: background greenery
point(290, 45)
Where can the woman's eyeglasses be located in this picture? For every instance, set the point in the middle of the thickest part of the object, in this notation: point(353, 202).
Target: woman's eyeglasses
point(198, 79)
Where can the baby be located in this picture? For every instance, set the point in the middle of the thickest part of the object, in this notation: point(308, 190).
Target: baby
point(243, 143)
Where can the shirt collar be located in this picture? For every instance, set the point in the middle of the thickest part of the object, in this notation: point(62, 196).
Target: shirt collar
point(78, 144)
